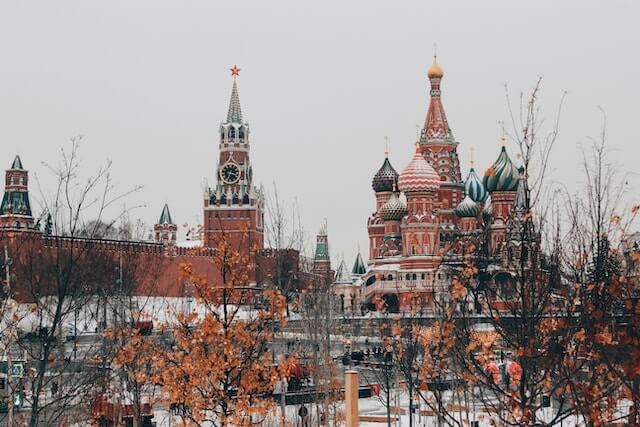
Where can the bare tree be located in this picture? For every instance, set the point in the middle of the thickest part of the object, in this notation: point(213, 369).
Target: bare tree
point(319, 323)
point(526, 317)
point(286, 240)
point(61, 274)
point(598, 223)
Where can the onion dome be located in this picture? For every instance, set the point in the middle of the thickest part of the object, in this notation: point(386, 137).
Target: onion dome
point(487, 210)
point(435, 71)
point(467, 208)
point(473, 187)
point(393, 210)
point(385, 178)
point(419, 175)
point(503, 175)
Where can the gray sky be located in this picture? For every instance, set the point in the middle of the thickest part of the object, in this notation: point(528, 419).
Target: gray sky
point(147, 83)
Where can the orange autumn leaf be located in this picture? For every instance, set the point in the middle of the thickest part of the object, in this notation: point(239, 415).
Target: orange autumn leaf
point(604, 337)
point(458, 290)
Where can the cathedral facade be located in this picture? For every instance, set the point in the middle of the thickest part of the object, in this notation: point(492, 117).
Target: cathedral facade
point(423, 215)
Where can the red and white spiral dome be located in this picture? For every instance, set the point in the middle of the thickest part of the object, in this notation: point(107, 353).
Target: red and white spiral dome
point(418, 176)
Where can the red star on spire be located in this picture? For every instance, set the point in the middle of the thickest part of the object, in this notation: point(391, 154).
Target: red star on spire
point(235, 71)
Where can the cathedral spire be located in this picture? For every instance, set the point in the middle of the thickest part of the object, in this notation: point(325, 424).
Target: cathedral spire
point(436, 126)
point(235, 112)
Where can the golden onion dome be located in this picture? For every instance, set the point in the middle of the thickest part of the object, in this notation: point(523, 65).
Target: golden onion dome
point(435, 71)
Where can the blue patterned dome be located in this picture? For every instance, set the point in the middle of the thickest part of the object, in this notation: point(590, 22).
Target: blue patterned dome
point(393, 210)
point(502, 175)
point(467, 208)
point(487, 210)
point(488, 207)
point(473, 187)
point(385, 178)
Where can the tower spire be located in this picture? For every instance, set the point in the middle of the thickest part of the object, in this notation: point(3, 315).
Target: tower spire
point(15, 209)
point(165, 230)
point(234, 114)
point(165, 216)
point(436, 126)
point(17, 163)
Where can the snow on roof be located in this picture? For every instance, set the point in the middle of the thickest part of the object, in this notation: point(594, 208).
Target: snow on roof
point(189, 244)
point(386, 267)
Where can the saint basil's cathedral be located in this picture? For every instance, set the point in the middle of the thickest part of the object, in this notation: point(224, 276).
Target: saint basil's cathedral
point(424, 215)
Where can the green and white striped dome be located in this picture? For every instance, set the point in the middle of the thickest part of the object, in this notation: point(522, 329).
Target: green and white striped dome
point(502, 175)
point(467, 208)
point(473, 187)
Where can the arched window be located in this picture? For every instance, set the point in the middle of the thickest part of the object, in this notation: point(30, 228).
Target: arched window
point(407, 276)
point(389, 277)
point(236, 199)
point(414, 276)
point(245, 199)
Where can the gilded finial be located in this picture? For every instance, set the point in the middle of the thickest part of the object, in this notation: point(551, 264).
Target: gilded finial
point(472, 162)
point(435, 71)
point(386, 146)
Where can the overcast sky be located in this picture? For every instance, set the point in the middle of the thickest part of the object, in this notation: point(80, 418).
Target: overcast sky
point(146, 83)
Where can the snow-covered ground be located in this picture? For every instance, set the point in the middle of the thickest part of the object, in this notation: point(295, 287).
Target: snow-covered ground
point(374, 407)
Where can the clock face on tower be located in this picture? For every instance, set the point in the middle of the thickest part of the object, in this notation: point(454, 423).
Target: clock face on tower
point(230, 173)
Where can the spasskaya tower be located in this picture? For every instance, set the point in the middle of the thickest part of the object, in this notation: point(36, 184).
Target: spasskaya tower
point(233, 207)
